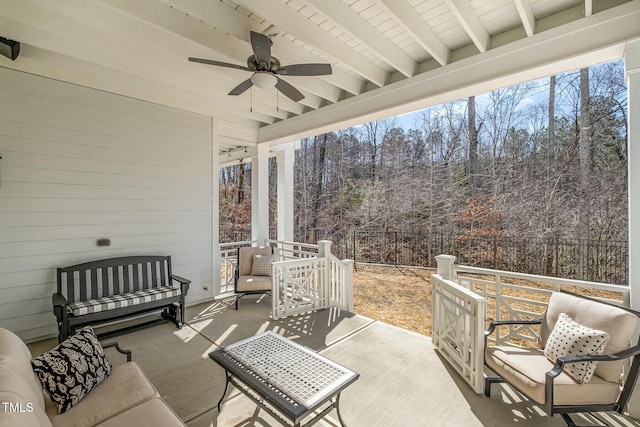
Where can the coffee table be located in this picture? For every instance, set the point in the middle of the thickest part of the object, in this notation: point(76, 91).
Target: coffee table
point(287, 380)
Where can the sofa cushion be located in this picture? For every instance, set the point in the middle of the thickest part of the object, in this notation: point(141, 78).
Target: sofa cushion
point(618, 323)
point(72, 369)
point(261, 265)
point(80, 308)
point(153, 412)
point(525, 369)
point(569, 338)
point(15, 355)
point(21, 405)
point(126, 387)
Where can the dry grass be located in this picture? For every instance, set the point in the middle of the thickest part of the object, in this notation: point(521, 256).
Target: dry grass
point(402, 296)
point(398, 296)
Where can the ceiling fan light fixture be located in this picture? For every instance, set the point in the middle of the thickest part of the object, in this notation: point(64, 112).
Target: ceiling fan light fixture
point(264, 79)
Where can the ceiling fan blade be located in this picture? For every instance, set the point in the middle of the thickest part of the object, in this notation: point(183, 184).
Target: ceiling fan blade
point(242, 87)
point(289, 91)
point(218, 63)
point(305, 70)
point(261, 46)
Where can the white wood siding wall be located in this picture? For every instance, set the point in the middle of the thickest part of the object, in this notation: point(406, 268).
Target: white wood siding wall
point(80, 164)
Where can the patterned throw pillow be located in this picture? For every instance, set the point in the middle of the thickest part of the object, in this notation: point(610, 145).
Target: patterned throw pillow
point(261, 265)
point(72, 369)
point(569, 338)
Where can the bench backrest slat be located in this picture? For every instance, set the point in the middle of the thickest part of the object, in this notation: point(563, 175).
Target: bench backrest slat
point(125, 278)
point(154, 274)
point(136, 279)
point(70, 288)
point(145, 276)
point(116, 280)
point(83, 285)
point(113, 276)
point(94, 283)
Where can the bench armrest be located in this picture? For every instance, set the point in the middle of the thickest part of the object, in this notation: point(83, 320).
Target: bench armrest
point(184, 283)
point(121, 351)
point(495, 323)
point(58, 300)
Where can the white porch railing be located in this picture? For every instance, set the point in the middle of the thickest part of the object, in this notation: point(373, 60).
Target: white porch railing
point(299, 286)
point(458, 328)
point(507, 297)
point(315, 281)
point(304, 276)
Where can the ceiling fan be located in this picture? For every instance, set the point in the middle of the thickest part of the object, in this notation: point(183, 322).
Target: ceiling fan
point(266, 68)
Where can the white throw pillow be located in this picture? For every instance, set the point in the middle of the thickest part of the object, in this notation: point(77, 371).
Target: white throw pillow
point(261, 265)
point(569, 338)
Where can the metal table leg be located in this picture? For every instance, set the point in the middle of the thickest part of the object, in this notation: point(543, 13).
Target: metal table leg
point(226, 387)
point(337, 405)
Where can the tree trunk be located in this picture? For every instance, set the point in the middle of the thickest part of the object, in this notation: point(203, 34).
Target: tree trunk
point(473, 146)
point(585, 171)
point(240, 183)
point(320, 168)
point(551, 162)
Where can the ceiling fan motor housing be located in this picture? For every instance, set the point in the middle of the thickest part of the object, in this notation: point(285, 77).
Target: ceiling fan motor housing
point(272, 66)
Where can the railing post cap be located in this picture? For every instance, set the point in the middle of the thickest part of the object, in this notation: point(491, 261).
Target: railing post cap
point(446, 257)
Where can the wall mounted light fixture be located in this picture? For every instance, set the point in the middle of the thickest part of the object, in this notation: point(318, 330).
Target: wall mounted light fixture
point(9, 48)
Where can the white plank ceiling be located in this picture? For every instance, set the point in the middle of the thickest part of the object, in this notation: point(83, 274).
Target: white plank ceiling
point(377, 48)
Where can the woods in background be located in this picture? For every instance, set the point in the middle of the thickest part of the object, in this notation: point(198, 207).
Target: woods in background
point(539, 159)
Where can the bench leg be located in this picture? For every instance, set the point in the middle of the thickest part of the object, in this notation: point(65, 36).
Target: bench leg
point(175, 314)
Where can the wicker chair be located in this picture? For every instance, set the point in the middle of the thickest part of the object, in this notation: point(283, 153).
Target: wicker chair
point(553, 385)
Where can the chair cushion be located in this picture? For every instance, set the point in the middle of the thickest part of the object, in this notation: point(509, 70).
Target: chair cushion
point(618, 323)
point(72, 369)
point(569, 338)
point(525, 369)
point(79, 308)
point(253, 283)
point(261, 265)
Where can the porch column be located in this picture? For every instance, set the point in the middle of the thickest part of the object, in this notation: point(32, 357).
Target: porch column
point(285, 159)
point(215, 210)
point(260, 193)
point(632, 74)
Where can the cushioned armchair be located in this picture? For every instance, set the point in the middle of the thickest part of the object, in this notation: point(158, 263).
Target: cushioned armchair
point(253, 271)
point(578, 366)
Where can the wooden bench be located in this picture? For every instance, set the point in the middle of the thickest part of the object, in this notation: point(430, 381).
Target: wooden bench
point(116, 288)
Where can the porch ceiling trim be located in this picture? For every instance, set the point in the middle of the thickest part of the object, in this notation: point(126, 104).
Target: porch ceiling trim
point(581, 43)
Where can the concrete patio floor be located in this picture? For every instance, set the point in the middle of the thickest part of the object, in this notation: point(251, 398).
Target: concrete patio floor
point(403, 380)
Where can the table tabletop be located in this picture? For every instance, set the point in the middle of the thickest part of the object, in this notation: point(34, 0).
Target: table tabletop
point(294, 378)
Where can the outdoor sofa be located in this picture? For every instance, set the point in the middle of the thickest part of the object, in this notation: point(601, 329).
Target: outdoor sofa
point(124, 398)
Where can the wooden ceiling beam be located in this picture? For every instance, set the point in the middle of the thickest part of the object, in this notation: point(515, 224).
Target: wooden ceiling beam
point(360, 29)
point(286, 18)
point(418, 29)
point(526, 16)
point(471, 23)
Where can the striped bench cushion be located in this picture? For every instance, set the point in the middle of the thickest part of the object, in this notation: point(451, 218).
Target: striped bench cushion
point(118, 301)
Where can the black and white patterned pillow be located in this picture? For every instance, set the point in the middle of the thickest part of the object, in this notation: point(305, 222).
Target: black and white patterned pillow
point(261, 265)
point(569, 338)
point(71, 370)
